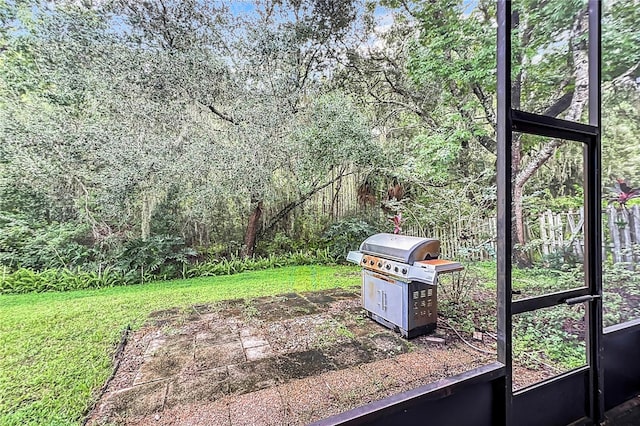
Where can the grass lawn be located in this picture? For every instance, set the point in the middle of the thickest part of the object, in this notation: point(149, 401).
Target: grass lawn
point(55, 348)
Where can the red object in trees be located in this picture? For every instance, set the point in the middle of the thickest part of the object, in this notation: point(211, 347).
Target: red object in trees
point(397, 221)
point(621, 192)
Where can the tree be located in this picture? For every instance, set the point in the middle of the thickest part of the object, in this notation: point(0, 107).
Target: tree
point(45, 96)
point(121, 114)
point(256, 77)
point(426, 104)
point(451, 53)
point(557, 83)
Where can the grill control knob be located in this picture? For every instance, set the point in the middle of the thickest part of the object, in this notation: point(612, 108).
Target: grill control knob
point(404, 270)
point(371, 263)
point(387, 266)
point(379, 264)
point(364, 260)
point(395, 269)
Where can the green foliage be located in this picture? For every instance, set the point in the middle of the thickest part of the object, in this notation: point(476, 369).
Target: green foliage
point(455, 56)
point(346, 235)
point(563, 259)
point(158, 256)
point(37, 245)
point(467, 254)
point(621, 284)
point(108, 111)
point(278, 244)
point(620, 38)
point(20, 200)
point(141, 264)
point(460, 199)
point(235, 264)
point(132, 98)
point(436, 156)
point(553, 336)
point(331, 133)
point(304, 234)
point(543, 200)
point(452, 48)
point(27, 281)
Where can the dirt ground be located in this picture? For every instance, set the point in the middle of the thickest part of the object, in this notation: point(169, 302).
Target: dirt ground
point(283, 360)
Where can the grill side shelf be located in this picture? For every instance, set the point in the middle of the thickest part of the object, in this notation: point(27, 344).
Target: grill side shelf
point(440, 265)
point(354, 257)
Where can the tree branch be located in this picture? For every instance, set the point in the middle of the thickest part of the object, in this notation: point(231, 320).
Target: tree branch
point(303, 198)
point(408, 107)
point(485, 141)
point(537, 161)
point(486, 103)
point(576, 103)
point(560, 105)
point(221, 115)
point(626, 78)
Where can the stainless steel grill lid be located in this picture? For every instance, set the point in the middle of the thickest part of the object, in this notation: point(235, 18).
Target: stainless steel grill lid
point(401, 248)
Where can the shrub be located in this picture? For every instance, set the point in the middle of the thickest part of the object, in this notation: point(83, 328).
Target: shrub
point(159, 256)
point(38, 246)
point(621, 284)
point(563, 259)
point(346, 235)
point(26, 281)
point(280, 243)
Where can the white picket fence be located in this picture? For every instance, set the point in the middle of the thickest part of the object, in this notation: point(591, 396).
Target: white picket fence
point(556, 233)
point(562, 232)
point(473, 239)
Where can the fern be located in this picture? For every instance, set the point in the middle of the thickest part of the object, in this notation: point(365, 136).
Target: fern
point(25, 280)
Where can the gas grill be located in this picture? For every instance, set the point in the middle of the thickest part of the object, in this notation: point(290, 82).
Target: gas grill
point(399, 279)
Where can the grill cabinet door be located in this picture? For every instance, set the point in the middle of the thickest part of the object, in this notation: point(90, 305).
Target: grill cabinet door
point(382, 295)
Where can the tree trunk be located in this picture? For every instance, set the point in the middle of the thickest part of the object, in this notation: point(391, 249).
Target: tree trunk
point(520, 256)
point(145, 215)
point(579, 99)
point(253, 227)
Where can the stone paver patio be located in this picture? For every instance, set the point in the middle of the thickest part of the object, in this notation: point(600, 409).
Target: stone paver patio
point(283, 360)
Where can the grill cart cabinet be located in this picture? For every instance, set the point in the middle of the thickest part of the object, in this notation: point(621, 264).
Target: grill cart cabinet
point(399, 279)
point(407, 307)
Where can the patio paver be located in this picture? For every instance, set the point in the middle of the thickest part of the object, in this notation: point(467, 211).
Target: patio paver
point(312, 356)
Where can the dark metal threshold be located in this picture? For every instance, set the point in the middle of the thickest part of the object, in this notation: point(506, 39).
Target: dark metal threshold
point(625, 414)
